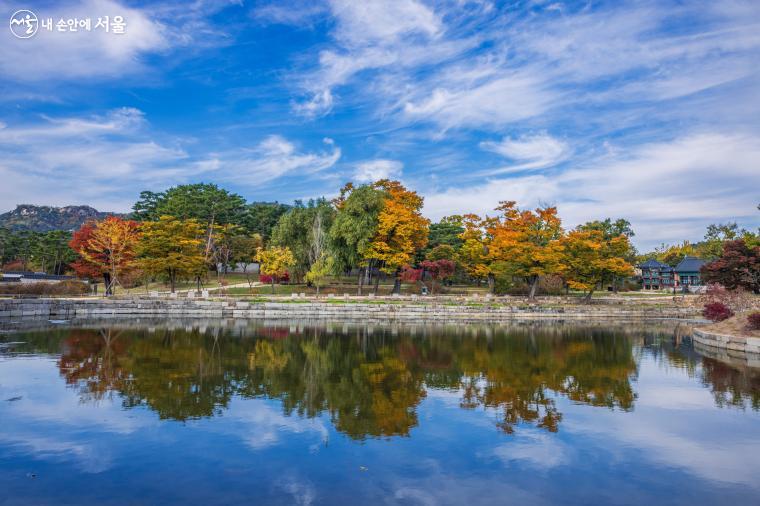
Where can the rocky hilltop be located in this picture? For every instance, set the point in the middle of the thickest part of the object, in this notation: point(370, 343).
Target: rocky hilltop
point(46, 218)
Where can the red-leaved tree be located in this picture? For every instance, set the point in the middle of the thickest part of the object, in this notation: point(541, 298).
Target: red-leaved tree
point(737, 267)
point(438, 270)
point(105, 248)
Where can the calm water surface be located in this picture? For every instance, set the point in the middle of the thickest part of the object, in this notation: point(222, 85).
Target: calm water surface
point(203, 413)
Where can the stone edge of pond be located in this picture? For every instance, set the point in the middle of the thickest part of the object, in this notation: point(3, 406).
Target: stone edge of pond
point(103, 308)
point(744, 344)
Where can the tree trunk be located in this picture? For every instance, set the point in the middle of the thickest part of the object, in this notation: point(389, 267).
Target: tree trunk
point(397, 281)
point(173, 281)
point(377, 282)
point(587, 297)
point(491, 283)
point(107, 283)
point(533, 287)
point(272, 285)
point(361, 280)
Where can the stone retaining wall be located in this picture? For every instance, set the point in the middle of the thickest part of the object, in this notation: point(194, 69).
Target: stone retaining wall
point(726, 341)
point(401, 311)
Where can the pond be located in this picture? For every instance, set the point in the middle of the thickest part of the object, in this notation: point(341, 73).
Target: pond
point(204, 412)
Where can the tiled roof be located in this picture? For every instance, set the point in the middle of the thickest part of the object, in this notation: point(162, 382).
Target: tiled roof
point(654, 264)
point(690, 264)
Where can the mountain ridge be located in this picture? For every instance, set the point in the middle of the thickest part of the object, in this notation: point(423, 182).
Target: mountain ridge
point(47, 218)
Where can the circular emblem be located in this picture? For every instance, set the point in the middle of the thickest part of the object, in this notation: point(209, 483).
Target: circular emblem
point(24, 24)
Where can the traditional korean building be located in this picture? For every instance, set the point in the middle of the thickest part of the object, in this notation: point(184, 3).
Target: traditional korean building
point(656, 275)
point(687, 272)
point(659, 276)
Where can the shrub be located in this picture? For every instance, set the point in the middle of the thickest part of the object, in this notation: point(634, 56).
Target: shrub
point(753, 321)
point(68, 287)
point(717, 312)
point(267, 279)
point(737, 300)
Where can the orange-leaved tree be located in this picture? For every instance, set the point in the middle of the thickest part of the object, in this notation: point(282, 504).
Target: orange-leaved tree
point(106, 248)
point(526, 243)
point(401, 229)
point(589, 259)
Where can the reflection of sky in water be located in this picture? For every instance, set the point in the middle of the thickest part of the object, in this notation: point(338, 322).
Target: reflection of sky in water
point(674, 446)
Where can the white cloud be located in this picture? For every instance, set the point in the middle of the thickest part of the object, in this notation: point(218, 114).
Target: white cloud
point(668, 190)
point(373, 170)
point(396, 34)
point(533, 151)
point(319, 104)
point(106, 160)
point(383, 22)
point(275, 157)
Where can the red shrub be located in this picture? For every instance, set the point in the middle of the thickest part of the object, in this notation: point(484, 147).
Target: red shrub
point(266, 278)
point(753, 321)
point(717, 312)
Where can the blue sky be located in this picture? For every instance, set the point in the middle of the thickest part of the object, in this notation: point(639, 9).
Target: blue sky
point(643, 110)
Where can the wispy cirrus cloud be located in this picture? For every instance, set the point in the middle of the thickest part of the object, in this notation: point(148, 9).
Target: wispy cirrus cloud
point(531, 152)
point(666, 189)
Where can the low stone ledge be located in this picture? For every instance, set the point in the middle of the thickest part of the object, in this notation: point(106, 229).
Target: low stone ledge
point(354, 310)
point(727, 341)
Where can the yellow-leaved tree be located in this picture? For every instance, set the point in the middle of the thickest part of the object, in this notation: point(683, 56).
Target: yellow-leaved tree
point(589, 259)
point(401, 229)
point(172, 248)
point(526, 243)
point(275, 261)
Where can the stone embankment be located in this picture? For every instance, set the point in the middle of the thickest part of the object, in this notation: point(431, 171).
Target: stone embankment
point(366, 310)
point(726, 341)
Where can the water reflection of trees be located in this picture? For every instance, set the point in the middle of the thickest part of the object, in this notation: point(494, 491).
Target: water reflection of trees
point(732, 382)
point(370, 382)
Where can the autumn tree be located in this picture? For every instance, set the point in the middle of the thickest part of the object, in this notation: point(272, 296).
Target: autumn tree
point(589, 258)
point(612, 230)
point(207, 204)
point(107, 248)
point(401, 229)
point(355, 224)
point(172, 248)
point(275, 261)
point(737, 267)
point(526, 243)
point(673, 254)
point(441, 252)
point(319, 270)
point(438, 270)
